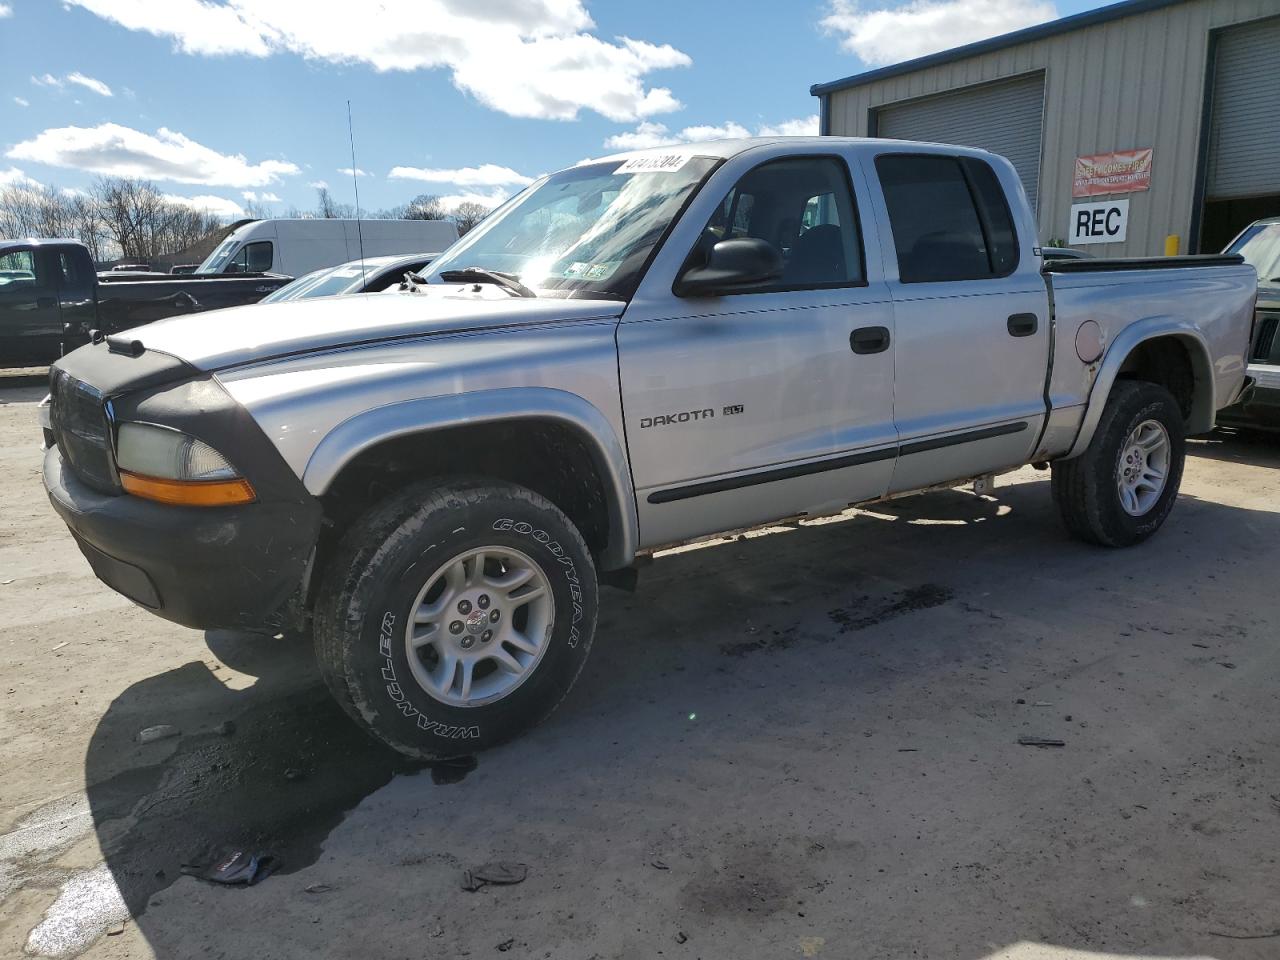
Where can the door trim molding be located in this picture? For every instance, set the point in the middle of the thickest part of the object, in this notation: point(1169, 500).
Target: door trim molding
point(704, 487)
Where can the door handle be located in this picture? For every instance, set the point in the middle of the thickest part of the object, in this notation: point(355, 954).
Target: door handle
point(869, 340)
point(1023, 324)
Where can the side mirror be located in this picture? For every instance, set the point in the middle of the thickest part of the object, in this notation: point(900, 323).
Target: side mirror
point(732, 266)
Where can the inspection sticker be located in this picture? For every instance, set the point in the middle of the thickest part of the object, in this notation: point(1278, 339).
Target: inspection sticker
point(660, 163)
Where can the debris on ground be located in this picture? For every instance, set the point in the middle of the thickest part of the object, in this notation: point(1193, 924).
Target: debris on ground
point(501, 873)
point(680, 937)
point(293, 773)
point(658, 865)
point(225, 729)
point(115, 929)
point(1227, 664)
point(1041, 742)
point(239, 869)
point(506, 945)
point(161, 731)
point(319, 888)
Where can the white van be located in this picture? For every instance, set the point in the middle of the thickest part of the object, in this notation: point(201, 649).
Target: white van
point(295, 247)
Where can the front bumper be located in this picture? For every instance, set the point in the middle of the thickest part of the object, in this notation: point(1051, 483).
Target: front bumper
point(203, 567)
point(1258, 406)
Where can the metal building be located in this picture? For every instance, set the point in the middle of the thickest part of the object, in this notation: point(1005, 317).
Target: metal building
point(1145, 119)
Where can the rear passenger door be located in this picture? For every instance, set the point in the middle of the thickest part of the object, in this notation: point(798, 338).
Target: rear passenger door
point(971, 317)
point(752, 406)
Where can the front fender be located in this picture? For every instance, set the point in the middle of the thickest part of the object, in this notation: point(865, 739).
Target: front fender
point(367, 429)
point(1204, 401)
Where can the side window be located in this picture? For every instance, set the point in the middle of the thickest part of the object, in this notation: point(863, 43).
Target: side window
point(938, 233)
point(251, 258)
point(993, 211)
point(804, 208)
point(73, 278)
point(18, 271)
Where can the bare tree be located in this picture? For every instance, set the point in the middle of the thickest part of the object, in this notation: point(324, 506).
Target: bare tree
point(425, 206)
point(329, 209)
point(468, 215)
point(35, 210)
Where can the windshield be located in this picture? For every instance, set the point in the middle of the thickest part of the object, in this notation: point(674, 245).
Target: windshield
point(322, 283)
point(583, 232)
point(218, 259)
point(1260, 247)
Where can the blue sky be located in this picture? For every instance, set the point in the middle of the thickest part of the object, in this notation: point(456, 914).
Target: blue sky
point(232, 100)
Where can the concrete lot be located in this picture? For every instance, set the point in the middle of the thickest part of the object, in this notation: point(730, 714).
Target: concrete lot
point(801, 744)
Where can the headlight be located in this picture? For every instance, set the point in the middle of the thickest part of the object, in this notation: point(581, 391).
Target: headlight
point(167, 465)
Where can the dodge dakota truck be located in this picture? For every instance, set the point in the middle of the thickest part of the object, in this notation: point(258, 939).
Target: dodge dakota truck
point(50, 298)
point(633, 353)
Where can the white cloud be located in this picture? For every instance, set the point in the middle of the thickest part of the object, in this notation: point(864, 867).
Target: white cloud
point(488, 199)
point(21, 102)
point(800, 127)
point(207, 203)
point(115, 150)
point(318, 185)
point(884, 35)
point(89, 83)
point(485, 175)
point(253, 196)
point(359, 172)
point(77, 78)
point(12, 177)
point(649, 134)
point(536, 58)
point(5, 11)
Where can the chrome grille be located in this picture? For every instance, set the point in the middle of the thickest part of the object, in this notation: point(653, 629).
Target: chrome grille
point(82, 431)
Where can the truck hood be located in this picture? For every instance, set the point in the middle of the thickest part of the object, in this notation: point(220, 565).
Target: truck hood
point(226, 338)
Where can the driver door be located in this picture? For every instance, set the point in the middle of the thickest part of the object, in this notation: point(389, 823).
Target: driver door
point(752, 406)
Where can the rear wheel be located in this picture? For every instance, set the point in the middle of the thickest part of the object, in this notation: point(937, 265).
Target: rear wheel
point(1122, 488)
point(456, 617)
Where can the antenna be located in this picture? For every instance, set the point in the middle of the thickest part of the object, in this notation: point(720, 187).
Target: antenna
point(355, 181)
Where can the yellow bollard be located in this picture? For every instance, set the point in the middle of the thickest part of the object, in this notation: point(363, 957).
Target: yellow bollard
point(1171, 245)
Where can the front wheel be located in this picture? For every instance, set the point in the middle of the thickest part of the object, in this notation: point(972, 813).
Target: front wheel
point(456, 616)
point(1122, 488)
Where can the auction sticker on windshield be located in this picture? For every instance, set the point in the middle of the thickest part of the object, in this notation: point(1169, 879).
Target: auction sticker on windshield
point(664, 163)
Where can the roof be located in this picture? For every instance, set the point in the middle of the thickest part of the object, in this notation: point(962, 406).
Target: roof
point(727, 149)
point(1089, 18)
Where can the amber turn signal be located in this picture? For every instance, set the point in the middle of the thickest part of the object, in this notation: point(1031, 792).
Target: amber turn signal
point(188, 493)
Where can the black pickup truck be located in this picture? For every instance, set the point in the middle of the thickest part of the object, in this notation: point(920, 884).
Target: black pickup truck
point(50, 298)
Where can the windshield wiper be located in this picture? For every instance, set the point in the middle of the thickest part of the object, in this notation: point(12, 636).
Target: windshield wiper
point(506, 281)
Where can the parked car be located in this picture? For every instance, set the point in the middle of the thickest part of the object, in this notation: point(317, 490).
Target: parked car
point(1259, 408)
point(372, 275)
point(298, 247)
point(50, 298)
point(637, 352)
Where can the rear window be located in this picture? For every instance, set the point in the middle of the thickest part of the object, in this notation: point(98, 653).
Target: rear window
point(949, 218)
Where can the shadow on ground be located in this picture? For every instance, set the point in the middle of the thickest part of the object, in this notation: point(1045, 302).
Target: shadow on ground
point(781, 742)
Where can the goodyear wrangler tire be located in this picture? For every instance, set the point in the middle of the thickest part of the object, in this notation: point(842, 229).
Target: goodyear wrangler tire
point(1122, 488)
point(456, 616)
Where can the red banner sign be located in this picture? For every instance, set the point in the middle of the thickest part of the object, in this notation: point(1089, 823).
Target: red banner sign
point(1125, 171)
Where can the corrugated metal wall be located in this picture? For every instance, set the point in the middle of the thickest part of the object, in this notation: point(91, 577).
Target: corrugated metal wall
point(1002, 117)
point(1130, 83)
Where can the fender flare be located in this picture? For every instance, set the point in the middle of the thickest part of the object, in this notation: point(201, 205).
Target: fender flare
point(428, 414)
point(1204, 402)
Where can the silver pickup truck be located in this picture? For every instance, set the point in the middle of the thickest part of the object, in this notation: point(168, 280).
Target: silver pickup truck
point(635, 352)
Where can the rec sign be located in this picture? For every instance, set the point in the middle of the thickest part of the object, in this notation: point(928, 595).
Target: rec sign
point(1106, 222)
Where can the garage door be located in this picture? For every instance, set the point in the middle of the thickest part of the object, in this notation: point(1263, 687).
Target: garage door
point(1244, 144)
point(1004, 118)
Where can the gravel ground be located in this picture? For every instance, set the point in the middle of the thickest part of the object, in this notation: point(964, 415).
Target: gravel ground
point(802, 743)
